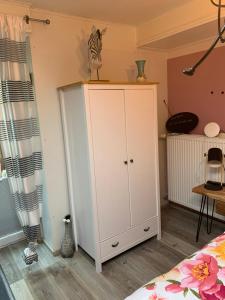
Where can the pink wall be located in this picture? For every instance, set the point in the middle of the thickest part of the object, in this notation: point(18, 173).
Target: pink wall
point(203, 93)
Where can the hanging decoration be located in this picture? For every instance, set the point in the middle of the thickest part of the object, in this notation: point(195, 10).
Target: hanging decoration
point(221, 29)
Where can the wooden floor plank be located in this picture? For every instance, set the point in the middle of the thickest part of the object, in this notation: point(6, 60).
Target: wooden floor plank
point(70, 285)
point(123, 281)
point(42, 286)
point(85, 269)
point(21, 291)
point(55, 278)
point(9, 265)
point(174, 242)
point(183, 224)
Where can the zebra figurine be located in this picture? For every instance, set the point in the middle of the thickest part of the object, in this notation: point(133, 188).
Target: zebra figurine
point(94, 49)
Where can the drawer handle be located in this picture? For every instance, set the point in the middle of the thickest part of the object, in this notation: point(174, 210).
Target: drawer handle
point(115, 244)
point(147, 229)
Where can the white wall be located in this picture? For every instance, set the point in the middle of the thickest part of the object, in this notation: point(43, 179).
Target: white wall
point(59, 54)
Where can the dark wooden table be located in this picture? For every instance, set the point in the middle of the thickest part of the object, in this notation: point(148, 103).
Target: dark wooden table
point(206, 195)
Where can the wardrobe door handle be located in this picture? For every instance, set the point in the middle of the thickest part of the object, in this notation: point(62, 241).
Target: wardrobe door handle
point(131, 160)
point(115, 244)
point(147, 229)
point(125, 162)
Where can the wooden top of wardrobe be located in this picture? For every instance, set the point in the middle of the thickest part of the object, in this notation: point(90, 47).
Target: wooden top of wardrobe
point(107, 82)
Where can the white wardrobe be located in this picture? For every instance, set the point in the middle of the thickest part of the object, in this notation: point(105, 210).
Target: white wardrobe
point(111, 146)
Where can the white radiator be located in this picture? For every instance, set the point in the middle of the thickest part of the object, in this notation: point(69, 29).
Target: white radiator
point(186, 165)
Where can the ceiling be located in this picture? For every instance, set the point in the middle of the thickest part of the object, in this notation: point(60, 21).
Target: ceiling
point(195, 34)
point(132, 12)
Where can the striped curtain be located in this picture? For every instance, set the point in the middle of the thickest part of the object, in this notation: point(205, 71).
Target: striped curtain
point(19, 130)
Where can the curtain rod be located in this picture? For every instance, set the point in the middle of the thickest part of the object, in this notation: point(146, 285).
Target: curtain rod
point(27, 19)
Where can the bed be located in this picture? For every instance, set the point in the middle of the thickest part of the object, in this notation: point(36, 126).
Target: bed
point(200, 276)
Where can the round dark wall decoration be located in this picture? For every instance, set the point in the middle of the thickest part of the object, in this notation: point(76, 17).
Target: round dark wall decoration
point(183, 122)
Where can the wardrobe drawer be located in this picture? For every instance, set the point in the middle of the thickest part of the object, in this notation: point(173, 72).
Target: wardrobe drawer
point(114, 245)
point(147, 229)
point(128, 239)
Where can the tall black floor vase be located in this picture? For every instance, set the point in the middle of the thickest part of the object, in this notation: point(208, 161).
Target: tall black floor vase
point(67, 247)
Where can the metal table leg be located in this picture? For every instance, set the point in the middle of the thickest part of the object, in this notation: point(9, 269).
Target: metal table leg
point(200, 216)
point(209, 227)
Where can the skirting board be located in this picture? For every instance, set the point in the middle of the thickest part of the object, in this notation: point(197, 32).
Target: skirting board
point(193, 210)
point(11, 238)
point(54, 252)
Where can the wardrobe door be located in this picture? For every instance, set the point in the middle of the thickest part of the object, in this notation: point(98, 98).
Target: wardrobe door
point(110, 159)
point(141, 149)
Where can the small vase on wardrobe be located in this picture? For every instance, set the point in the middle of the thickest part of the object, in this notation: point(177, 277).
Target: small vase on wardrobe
point(140, 68)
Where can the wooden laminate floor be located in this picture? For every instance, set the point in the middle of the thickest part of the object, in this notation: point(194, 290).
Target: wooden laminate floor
point(58, 278)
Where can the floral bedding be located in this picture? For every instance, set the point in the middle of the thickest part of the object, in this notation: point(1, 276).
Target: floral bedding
point(200, 276)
